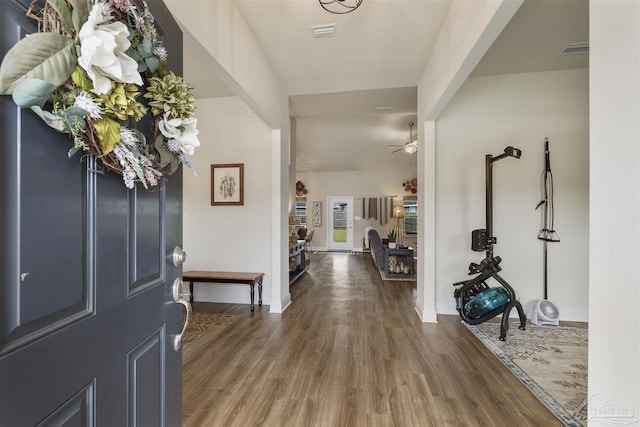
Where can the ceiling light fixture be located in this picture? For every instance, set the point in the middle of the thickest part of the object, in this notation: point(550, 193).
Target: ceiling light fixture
point(412, 146)
point(340, 7)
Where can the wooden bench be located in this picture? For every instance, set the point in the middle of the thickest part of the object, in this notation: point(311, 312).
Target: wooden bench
point(225, 277)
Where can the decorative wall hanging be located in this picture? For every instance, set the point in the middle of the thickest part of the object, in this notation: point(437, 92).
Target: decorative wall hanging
point(300, 189)
point(227, 184)
point(316, 214)
point(410, 185)
point(81, 73)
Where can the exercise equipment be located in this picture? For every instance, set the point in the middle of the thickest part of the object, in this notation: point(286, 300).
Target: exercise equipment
point(476, 301)
point(543, 311)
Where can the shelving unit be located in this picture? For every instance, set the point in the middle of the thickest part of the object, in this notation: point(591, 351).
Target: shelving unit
point(399, 256)
point(297, 261)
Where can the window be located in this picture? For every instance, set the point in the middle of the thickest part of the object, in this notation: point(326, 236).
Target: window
point(410, 220)
point(301, 210)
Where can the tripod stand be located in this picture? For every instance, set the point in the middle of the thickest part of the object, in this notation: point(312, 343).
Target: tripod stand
point(476, 302)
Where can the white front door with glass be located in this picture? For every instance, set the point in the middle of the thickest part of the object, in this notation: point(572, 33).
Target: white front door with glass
point(340, 223)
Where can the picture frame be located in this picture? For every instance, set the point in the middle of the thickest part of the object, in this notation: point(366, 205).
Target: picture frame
point(316, 214)
point(227, 184)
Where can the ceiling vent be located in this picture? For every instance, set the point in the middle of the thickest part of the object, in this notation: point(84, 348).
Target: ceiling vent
point(325, 30)
point(575, 48)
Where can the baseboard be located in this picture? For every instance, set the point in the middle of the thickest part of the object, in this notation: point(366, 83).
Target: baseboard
point(284, 305)
point(567, 315)
point(574, 315)
point(446, 308)
point(427, 316)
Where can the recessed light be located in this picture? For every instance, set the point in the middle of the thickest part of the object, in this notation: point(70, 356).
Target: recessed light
point(325, 30)
point(390, 107)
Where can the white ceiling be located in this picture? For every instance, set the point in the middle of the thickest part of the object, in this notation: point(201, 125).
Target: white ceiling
point(341, 87)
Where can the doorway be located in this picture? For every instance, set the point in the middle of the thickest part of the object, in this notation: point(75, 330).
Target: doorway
point(340, 223)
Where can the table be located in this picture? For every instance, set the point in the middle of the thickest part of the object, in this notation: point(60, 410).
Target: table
point(225, 277)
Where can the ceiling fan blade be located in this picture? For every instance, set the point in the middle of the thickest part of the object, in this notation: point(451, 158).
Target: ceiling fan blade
point(399, 149)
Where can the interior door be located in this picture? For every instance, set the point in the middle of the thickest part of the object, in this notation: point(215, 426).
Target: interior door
point(340, 224)
point(87, 317)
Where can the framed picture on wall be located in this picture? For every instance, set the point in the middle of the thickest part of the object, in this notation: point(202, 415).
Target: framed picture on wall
point(227, 184)
point(316, 214)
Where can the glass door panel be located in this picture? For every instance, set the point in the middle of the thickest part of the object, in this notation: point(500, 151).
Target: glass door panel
point(340, 214)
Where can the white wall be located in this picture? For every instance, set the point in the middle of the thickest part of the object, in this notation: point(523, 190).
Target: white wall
point(467, 33)
point(227, 48)
point(229, 238)
point(485, 116)
point(357, 184)
point(614, 270)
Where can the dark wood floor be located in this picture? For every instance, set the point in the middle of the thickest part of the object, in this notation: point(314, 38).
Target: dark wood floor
point(351, 351)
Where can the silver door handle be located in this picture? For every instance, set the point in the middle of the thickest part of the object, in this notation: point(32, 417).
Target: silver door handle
point(177, 297)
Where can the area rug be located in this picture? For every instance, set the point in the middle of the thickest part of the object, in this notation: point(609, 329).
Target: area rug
point(202, 329)
point(551, 361)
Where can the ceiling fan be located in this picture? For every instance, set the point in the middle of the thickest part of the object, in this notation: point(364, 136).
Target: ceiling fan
point(408, 147)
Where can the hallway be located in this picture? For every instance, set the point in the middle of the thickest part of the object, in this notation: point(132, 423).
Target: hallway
point(350, 351)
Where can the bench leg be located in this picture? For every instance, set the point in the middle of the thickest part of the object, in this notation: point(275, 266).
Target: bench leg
point(253, 288)
point(260, 291)
point(191, 290)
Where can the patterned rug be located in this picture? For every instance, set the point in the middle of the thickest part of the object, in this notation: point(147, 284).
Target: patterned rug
point(550, 360)
point(202, 328)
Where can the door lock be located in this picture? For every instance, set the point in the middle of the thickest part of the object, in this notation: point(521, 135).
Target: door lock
point(179, 256)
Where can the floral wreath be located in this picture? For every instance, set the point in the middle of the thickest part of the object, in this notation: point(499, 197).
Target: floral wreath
point(86, 63)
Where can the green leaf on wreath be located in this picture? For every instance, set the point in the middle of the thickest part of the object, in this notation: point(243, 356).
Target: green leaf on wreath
point(142, 67)
point(74, 119)
point(146, 47)
point(153, 63)
point(61, 7)
point(50, 119)
point(46, 56)
point(108, 131)
point(30, 92)
point(167, 158)
point(81, 80)
point(80, 13)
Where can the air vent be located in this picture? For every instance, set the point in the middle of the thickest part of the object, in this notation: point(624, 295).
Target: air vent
point(325, 30)
point(575, 48)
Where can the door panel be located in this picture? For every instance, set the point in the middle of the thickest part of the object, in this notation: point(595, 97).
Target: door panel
point(145, 382)
point(76, 411)
point(145, 224)
point(87, 317)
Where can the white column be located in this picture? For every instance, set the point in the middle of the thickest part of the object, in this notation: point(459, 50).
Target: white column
point(280, 296)
point(614, 213)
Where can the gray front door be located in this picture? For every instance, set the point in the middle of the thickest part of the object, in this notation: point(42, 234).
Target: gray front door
point(87, 318)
